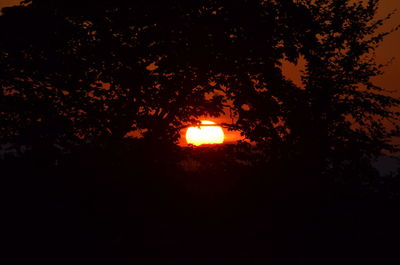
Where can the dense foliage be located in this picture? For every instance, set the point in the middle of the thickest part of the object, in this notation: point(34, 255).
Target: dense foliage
point(73, 72)
point(93, 95)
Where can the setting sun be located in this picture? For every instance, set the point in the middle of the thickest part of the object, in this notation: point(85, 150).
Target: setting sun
point(208, 134)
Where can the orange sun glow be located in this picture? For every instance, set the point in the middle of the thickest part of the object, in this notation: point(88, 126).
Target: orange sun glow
point(205, 134)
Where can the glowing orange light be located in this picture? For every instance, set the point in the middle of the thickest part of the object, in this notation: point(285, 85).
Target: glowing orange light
point(205, 134)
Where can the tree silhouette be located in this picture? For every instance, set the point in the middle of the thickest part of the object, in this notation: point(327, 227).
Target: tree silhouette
point(94, 94)
point(111, 67)
point(140, 66)
point(348, 117)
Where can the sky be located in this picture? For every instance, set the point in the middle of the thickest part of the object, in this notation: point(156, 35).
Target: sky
point(389, 48)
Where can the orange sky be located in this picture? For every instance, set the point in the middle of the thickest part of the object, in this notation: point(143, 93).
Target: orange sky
point(388, 49)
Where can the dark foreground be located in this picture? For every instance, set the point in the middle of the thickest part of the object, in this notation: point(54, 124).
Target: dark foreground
point(145, 205)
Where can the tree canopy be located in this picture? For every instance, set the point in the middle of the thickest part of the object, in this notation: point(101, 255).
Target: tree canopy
point(74, 71)
point(80, 79)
